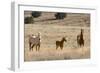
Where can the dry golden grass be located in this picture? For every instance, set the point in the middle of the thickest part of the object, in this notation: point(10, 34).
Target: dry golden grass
point(49, 54)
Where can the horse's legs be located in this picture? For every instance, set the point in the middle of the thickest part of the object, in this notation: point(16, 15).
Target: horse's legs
point(38, 47)
point(83, 42)
point(32, 47)
point(29, 46)
point(56, 47)
point(61, 47)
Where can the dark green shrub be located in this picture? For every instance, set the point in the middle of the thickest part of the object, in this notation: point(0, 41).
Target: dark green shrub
point(60, 15)
point(36, 14)
point(28, 20)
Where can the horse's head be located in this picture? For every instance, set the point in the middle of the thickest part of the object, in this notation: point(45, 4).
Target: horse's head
point(39, 35)
point(64, 39)
point(82, 31)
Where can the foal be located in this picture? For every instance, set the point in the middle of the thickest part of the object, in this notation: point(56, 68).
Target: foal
point(80, 39)
point(60, 43)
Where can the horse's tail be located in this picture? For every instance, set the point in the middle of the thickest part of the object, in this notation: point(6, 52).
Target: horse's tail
point(57, 42)
point(78, 38)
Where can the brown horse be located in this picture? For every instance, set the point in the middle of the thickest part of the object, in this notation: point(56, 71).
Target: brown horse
point(80, 39)
point(35, 41)
point(60, 43)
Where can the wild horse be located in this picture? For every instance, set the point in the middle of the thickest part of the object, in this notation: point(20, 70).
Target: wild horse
point(60, 43)
point(80, 39)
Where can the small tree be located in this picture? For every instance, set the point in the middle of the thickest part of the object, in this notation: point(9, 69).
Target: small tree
point(36, 14)
point(28, 20)
point(60, 15)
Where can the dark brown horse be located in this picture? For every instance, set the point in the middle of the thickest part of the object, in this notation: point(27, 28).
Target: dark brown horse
point(80, 39)
point(60, 43)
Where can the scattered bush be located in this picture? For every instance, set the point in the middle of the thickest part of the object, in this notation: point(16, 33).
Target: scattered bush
point(36, 14)
point(28, 20)
point(60, 15)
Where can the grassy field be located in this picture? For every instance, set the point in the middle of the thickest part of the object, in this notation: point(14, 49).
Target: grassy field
point(52, 30)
